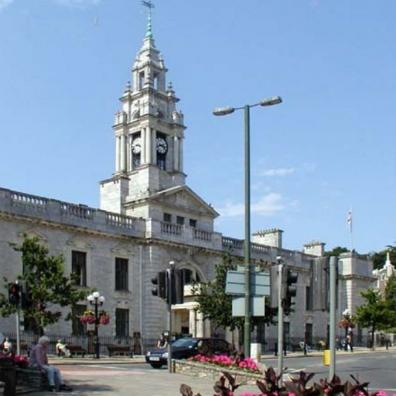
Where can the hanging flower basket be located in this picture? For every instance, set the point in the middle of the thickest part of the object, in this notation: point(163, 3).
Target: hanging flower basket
point(88, 317)
point(104, 318)
point(346, 323)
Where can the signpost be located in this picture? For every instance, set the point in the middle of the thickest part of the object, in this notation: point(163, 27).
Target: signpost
point(259, 286)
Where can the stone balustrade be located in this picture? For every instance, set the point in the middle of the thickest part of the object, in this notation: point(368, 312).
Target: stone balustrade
point(21, 204)
point(69, 214)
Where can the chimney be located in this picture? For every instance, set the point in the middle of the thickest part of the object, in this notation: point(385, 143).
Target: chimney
point(271, 237)
point(316, 248)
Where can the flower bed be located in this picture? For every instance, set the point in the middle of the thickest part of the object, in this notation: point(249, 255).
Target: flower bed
point(270, 384)
point(247, 364)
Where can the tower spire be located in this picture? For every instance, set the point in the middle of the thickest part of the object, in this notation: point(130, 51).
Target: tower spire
point(149, 5)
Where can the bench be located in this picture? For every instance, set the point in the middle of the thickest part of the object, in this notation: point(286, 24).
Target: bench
point(76, 350)
point(120, 350)
point(8, 376)
point(32, 378)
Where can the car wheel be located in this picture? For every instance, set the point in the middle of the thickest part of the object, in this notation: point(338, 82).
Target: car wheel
point(156, 365)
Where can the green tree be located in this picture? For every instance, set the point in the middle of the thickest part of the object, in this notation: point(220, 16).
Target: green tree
point(336, 251)
point(216, 305)
point(390, 300)
point(379, 258)
point(374, 314)
point(48, 288)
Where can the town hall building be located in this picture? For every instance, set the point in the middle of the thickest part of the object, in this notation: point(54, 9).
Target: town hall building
point(148, 217)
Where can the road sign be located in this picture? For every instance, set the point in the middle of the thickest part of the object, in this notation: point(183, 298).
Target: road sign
point(259, 286)
point(257, 304)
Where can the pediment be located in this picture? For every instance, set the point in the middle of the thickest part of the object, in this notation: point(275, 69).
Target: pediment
point(79, 243)
point(122, 249)
point(32, 233)
point(184, 198)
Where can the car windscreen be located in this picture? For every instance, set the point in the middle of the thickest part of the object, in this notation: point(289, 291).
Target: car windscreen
point(184, 342)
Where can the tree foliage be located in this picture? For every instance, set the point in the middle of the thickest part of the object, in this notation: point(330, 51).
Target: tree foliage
point(336, 251)
point(374, 314)
point(379, 258)
point(216, 305)
point(390, 300)
point(47, 287)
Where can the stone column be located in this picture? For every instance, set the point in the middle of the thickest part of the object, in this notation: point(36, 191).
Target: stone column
point(117, 154)
point(143, 138)
point(153, 147)
point(123, 154)
point(149, 146)
point(200, 325)
point(180, 155)
point(128, 153)
point(176, 160)
point(192, 322)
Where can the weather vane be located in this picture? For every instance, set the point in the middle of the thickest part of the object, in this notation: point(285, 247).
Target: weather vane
point(149, 5)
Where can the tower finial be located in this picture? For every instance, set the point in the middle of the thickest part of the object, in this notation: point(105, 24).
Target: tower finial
point(149, 4)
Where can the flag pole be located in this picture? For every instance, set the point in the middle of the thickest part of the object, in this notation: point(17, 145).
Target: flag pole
point(349, 222)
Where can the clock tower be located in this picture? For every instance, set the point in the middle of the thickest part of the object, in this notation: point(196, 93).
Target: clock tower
point(149, 134)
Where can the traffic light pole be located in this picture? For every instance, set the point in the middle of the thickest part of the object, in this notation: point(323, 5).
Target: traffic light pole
point(18, 322)
point(170, 276)
point(280, 321)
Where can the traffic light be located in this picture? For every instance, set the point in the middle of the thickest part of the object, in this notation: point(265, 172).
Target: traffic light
point(160, 284)
point(291, 291)
point(177, 287)
point(26, 296)
point(14, 293)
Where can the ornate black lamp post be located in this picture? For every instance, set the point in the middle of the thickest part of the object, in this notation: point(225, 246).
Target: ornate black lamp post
point(96, 300)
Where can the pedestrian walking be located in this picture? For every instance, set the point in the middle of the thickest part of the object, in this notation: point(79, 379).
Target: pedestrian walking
point(162, 342)
point(349, 341)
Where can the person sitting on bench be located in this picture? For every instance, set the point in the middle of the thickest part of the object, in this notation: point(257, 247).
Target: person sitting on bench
point(39, 359)
point(61, 349)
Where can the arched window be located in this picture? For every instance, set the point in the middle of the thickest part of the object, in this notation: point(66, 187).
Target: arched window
point(136, 150)
point(141, 80)
point(189, 276)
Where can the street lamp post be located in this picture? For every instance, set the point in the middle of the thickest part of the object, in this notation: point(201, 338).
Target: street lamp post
point(96, 300)
point(248, 270)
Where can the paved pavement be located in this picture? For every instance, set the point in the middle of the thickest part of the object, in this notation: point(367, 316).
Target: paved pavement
point(131, 376)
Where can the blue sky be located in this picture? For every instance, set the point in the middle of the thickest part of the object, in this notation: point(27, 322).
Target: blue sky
point(330, 145)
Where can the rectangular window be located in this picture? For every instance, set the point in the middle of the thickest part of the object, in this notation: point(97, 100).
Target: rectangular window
point(193, 223)
point(122, 322)
point(308, 298)
point(180, 220)
point(167, 217)
point(308, 334)
point(79, 267)
point(121, 274)
point(78, 328)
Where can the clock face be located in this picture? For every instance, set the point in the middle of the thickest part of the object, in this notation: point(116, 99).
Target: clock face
point(137, 145)
point(162, 146)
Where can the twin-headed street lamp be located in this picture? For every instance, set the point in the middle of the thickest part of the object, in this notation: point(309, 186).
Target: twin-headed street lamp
point(248, 270)
point(96, 300)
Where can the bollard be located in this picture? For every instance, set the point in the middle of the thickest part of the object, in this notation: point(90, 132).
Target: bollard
point(326, 357)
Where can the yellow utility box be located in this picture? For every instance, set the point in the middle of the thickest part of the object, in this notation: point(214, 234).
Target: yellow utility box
point(326, 357)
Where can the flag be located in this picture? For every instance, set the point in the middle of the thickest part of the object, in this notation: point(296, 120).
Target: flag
point(349, 220)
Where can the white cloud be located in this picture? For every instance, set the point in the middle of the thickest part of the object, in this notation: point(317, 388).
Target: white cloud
point(77, 3)
point(278, 172)
point(5, 3)
point(266, 206)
